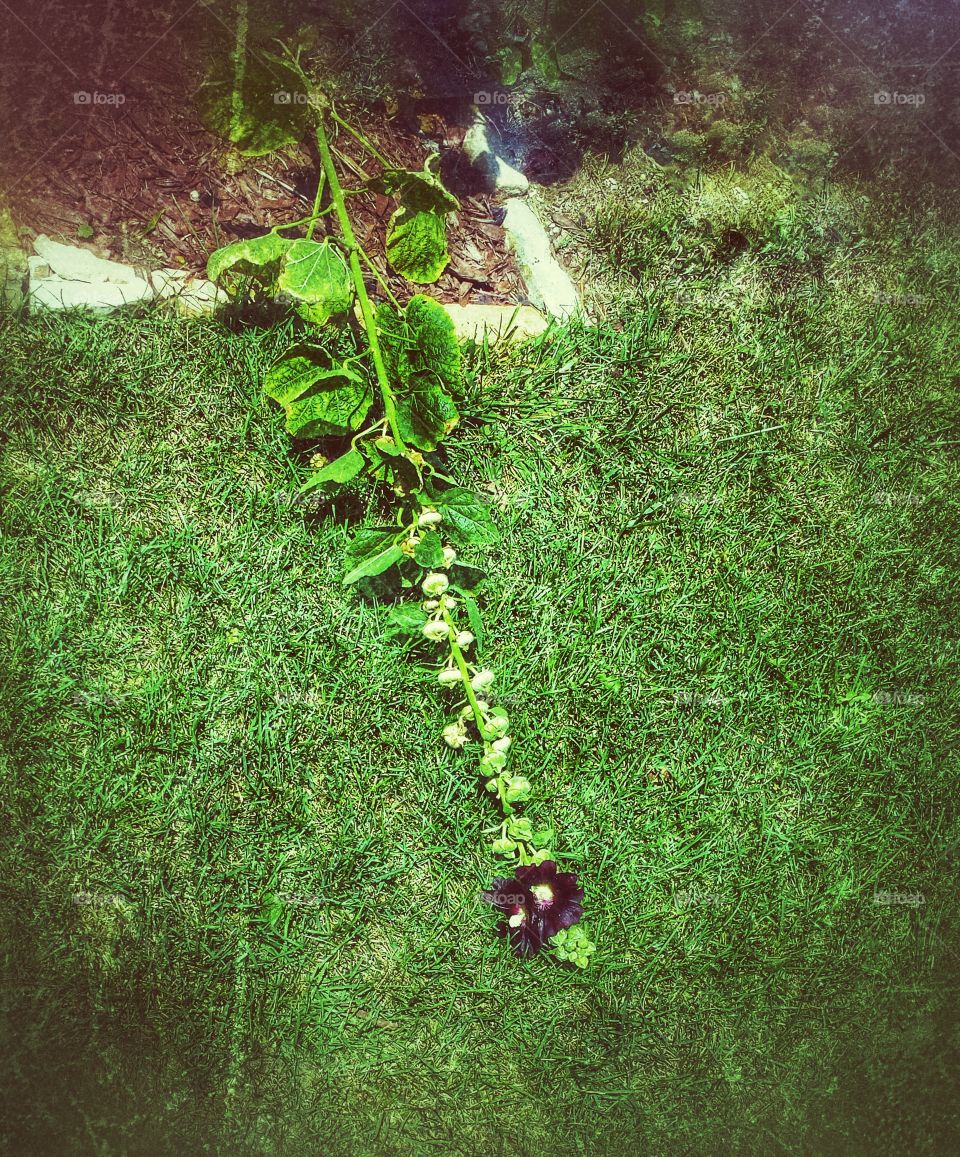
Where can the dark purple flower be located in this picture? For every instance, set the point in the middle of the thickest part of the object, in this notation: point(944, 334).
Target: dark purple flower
point(537, 902)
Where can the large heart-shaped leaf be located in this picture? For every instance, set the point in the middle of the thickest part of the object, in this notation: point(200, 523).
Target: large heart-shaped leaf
point(315, 274)
point(249, 257)
point(417, 244)
point(319, 399)
point(423, 362)
point(258, 107)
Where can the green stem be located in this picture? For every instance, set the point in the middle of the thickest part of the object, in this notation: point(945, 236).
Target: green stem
point(465, 674)
point(350, 241)
point(315, 215)
point(380, 278)
point(371, 149)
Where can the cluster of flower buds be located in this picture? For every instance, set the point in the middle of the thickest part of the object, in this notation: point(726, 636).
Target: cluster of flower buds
point(531, 924)
point(573, 946)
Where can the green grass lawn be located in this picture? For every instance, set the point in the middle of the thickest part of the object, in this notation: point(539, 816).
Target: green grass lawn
point(240, 873)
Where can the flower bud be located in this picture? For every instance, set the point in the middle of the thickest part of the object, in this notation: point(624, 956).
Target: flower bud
point(429, 518)
point(483, 705)
point(436, 631)
point(491, 785)
point(449, 556)
point(502, 745)
point(482, 680)
point(431, 605)
point(515, 920)
point(498, 721)
point(492, 762)
point(455, 735)
point(435, 584)
point(449, 676)
point(465, 639)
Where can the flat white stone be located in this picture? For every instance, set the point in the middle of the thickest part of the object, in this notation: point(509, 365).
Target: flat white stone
point(191, 296)
point(75, 264)
point(548, 284)
point(104, 297)
point(510, 323)
point(501, 177)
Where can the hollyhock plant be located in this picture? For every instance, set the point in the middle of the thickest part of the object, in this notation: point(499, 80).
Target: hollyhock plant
point(538, 902)
point(396, 400)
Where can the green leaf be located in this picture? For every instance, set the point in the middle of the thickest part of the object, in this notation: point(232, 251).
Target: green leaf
point(335, 473)
point(407, 619)
point(476, 622)
point(429, 550)
point(248, 257)
point(392, 466)
point(319, 400)
point(420, 192)
point(425, 416)
point(417, 244)
point(511, 64)
point(371, 552)
point(266, 112)
point(315, 274)
point(466, 578)
point(423, 362)
point(545, 61)
point(436, 349)
point(466, 516)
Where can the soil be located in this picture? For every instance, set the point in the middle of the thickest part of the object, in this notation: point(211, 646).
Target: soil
point(134, 174)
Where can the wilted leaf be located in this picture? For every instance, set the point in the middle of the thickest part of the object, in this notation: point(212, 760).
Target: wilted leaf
point(266, 112)
point(407, 619)
point(417, 244)
point(423, 361)
point(466, 578)
point(476, 623)
point(247, 258)
point(429, 550)
point(545, 61)
point(316, 274)
point(419, 191)
point(318, 399)
point(511, 64)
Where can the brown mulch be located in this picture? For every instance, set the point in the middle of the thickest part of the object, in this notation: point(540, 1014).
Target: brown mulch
point(145, 183)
